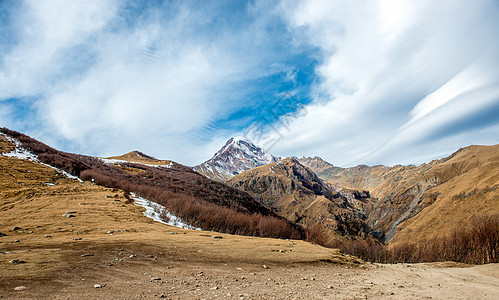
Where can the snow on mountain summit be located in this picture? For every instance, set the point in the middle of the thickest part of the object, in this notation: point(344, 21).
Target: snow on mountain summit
point(236, 156)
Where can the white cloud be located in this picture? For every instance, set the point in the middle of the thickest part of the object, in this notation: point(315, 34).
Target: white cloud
point(46, 31)
point(103, 86)
point(397, 75)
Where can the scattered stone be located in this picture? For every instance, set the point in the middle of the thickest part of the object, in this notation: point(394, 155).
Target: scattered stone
point(77, 239)
point(48, 236)
point(330, 287)
point(265, 267)
point(87, 254)
point(70, 212)
point(132, 255)
point(17, 261)
point(217, 237)
point(155, 278)
point(2, 234)
point(20, 288)
point(214, 288)
point(68, 216)
point(15, 228)
point(239, 269)
point(172, 232)
point(97, 286)
point(109, 231)
point(16, 241)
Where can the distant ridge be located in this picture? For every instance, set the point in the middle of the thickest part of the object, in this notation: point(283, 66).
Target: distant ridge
point(140, 157)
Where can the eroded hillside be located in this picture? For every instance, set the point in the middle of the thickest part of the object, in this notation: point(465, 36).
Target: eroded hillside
point(414, 203)
point(296, 193)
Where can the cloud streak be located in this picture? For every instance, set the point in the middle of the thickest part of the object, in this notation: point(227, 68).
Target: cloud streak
point(399, 80)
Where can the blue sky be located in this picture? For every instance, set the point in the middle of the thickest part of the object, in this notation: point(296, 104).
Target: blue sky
point(374, 82)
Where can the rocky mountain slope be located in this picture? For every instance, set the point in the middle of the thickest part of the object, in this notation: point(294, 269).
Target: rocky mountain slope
point(415, 203)
point(296, 193)
point(236, 156)
point(322, 168)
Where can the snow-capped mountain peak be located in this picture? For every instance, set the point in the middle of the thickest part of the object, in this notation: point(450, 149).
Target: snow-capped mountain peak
point(236, 156)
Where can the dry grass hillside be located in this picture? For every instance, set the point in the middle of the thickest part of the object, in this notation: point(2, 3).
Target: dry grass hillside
point(296, 193)
point(416, 203)
point(188, 195)
point(141, 158)
point(466, 186)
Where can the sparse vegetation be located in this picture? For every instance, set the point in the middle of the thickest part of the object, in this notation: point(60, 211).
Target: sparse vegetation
point(473, 243)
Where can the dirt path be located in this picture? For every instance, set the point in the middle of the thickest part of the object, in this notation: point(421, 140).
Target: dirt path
point(144, 276)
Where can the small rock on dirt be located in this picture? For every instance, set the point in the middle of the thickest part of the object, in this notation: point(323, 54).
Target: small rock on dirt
point(20, 288)
point(87, 254)
point(68, 215)
point(17, 261)
point(97, 286)
point(15, 228)
point(2, 234)
point(155, 278)
point(217, 237)
point(239, 269)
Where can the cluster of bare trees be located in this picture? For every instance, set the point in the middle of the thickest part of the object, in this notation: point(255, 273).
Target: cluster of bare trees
point(476, 242)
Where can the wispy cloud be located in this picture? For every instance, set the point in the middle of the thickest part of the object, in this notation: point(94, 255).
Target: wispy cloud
point(109, 75)
point(401, 79)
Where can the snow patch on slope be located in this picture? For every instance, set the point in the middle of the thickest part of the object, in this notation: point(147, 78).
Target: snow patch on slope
point(155, 210)
point(20, 153)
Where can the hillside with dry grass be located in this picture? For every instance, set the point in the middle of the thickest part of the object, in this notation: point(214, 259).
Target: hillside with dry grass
point(190, 196)
point(416, 203)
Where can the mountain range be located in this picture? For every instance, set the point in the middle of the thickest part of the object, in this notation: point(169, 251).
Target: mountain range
point(393, 204)
point(244, 189)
